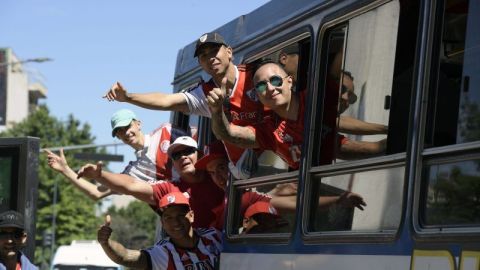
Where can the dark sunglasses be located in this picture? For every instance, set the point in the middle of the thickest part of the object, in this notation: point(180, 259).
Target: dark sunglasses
point(275, 81)
point(185, 152)
point(352, 97)
point(17, 234)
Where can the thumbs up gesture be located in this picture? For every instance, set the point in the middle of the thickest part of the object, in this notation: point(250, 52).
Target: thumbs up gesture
point(216, 96)
point(104, 231)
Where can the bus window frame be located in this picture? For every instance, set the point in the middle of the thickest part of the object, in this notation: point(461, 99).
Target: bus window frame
point(280, 40)
point(440, 156)
point(435, 155)
point(330, 22)
point(273, 238)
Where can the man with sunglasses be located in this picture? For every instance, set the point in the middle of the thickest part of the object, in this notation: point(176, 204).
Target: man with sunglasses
point(274, 88)
point(215, 57)
point(12, 238)
point(152, 162)
point(204, 194)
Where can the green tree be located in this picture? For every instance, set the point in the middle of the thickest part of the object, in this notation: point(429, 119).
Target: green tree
point(134, 225)
point(75, 212)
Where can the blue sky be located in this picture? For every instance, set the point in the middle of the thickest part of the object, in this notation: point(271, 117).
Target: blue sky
point(96, 42)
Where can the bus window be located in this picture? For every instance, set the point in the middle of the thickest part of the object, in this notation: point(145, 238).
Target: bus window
point(451, 175)
point(451, 194)
point(454, 96)
point(338, 208)
point(264, 209)
point(360, 58)
point(283, 153)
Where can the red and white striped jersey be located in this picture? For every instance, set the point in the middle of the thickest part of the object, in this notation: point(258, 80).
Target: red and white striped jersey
point(205, 256)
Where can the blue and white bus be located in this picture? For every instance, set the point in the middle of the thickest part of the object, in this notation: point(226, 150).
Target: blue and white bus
point(415, 68)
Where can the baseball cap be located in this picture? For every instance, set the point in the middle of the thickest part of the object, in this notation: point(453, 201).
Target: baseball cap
point(181, 141)
point(174, 198)
point(121, 118)
point(260, 207)
point(212, 151)
point(212, 37)
point(10, 219)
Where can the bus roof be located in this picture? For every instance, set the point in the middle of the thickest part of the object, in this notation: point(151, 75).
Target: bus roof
point(246, 27)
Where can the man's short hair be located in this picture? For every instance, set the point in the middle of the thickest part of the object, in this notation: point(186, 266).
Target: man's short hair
point(264, 62)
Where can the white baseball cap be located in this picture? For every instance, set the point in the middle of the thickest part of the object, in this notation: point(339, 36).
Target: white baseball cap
point(181, 141)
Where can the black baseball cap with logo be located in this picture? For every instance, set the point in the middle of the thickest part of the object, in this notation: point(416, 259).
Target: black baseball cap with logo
point(209, 38)
point(11, 219)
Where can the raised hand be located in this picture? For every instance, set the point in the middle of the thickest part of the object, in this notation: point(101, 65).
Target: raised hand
point(104, 232)
point(350, 199)
point(57, 162)
point(216, 97)
point(91, 171)
point(116, 93)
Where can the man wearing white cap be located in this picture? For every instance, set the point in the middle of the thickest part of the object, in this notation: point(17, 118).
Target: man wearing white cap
point(151, 164)
point(184, 248)
point(204, 194)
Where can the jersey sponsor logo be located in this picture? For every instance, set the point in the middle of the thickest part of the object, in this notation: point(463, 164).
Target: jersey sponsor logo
point(164, 146)
point(203, 265)
point(244, 115)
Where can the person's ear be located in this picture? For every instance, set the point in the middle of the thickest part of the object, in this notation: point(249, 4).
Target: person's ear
point(282, 58)
point(190, 216)
point(229, 51)
point(24, 239)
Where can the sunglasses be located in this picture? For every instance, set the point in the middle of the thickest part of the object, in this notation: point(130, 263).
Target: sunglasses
point(185, 152)
point(17, 234)
point(275, 81)
point(352, 97)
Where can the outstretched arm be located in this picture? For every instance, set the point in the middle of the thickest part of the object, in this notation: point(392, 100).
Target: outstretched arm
point(352, 125)
point(347, 199)
point(152, 101)
point(362, 149)
point(59, 164)
point(243, 137)
point(117, 252)
point(122, 183)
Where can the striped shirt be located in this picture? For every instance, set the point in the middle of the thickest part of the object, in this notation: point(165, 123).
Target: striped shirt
point(205, 256)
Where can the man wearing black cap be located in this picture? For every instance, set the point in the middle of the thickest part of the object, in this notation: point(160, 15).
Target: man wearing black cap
point(12, 238)
point(215, 57)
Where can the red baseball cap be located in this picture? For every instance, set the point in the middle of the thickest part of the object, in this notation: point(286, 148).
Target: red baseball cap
point(174, 198)
point(260, 207)
point(211, 152)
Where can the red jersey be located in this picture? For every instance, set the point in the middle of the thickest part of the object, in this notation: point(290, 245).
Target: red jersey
point(204, 197)
point(283, 136)
point(205, 255)
point(243, 108)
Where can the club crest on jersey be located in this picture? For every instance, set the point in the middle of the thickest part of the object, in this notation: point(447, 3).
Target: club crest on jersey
point(164, 146)
point(252, 94)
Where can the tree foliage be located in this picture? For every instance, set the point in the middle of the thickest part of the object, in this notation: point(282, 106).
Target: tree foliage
point(74, 212)
point(134, 225)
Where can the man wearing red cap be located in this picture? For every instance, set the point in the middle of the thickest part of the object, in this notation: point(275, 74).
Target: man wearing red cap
point(215, 57)
point(185, 247)
point(262, 217)
point(204, 194)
